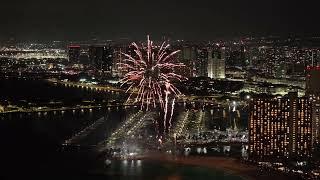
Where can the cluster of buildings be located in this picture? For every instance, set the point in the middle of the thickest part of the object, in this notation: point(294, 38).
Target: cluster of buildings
point(286, 127)
point(205, 62)
point(99, 56)
point(266, 57)
point(281, 128)
point(240, 59)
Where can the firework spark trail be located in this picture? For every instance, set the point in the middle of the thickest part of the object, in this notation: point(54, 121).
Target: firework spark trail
point(165, 109)
point(149, 74)
point(172, 108)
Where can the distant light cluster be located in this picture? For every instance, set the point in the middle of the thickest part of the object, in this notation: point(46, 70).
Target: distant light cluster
point(22, 53)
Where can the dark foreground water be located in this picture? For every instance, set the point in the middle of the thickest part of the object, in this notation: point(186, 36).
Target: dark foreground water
point(30, 145)
point(31, 148)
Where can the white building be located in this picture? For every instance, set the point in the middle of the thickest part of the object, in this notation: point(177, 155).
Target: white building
point(216, 63)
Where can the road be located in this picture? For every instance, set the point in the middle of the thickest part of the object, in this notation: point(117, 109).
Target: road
point(47, 109)
point(208, 100)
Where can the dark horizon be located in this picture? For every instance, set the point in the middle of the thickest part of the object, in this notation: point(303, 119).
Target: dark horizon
point(97, 39)
point(199, 20)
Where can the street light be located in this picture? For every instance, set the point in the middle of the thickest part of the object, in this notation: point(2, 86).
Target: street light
point(234, 103)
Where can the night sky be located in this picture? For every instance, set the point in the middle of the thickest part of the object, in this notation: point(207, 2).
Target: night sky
point(187, 19)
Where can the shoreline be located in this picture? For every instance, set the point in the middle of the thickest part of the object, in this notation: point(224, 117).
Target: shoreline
point(230, 166)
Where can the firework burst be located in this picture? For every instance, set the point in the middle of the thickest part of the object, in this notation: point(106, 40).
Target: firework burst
point(149, 74)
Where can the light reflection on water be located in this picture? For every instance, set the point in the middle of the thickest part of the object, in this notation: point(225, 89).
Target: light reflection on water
point(146, 170)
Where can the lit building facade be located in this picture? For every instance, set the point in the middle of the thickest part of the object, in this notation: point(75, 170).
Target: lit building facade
point(216, 63)
point(313, 92)
point(201, 63)
point(74, 53)
point(188, 57)
point(315, 119)
point(119, 57)
point(101, 57)
point(280, 128)
point(312, 80)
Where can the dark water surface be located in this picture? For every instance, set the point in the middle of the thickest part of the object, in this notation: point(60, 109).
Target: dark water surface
point(31, 142)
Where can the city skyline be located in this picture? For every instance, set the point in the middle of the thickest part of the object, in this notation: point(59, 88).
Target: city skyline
point(141, 89)
point(254, 99)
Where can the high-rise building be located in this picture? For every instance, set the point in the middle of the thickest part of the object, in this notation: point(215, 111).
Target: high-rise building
point(280, 70)
point(313, 92)
point(84, 55)
point(315, 119)
point(118, 57)
point(280, 128)
point(188, 58)
point(300, 126)
point(312, 80)
point(237, 56)
point(74, 53)
point(244, 61)
point(216, 63)
point(316, 58)
point(201, 62)
point(101, 57)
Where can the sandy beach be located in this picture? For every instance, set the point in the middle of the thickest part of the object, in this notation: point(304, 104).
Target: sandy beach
point(229, 165)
